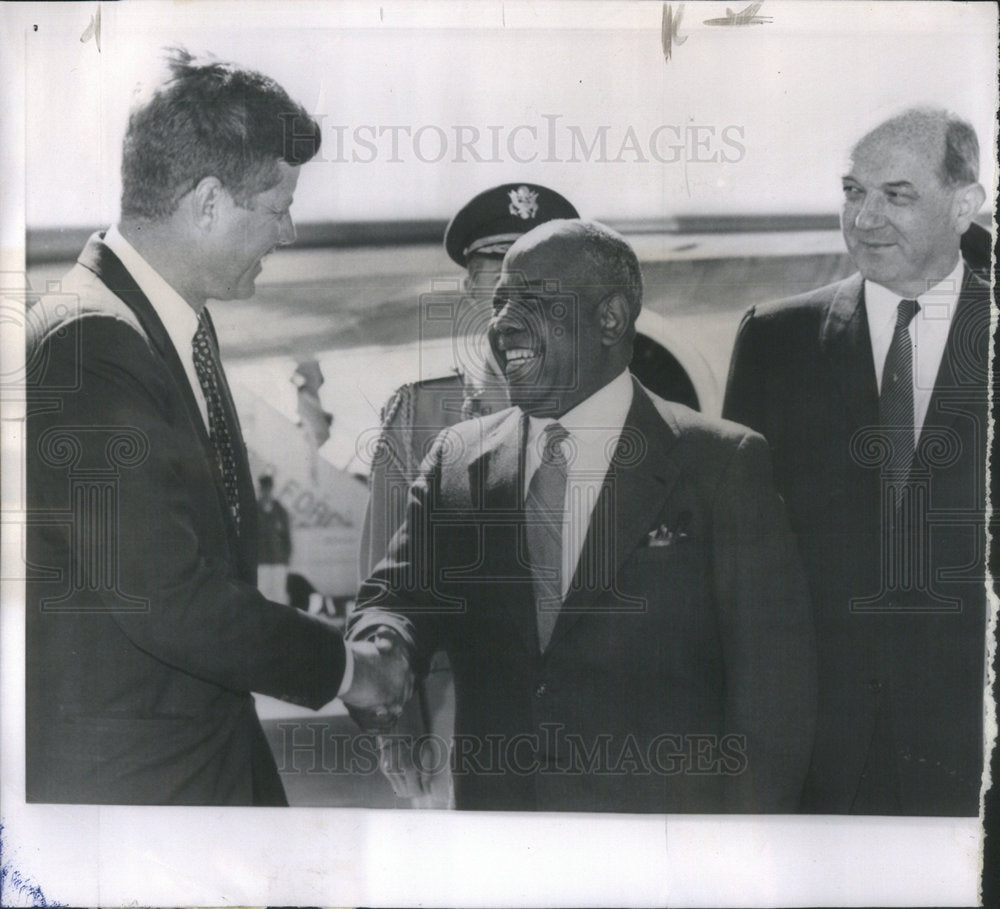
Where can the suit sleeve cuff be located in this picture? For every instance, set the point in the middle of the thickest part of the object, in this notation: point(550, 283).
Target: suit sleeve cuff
point(348, 679)
point(366, 624)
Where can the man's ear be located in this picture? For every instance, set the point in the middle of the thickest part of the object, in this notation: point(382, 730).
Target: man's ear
point(614, 315)
point(206, 199)
point(968, 200)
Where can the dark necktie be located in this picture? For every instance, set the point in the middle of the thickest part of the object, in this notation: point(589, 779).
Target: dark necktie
point(896, 398)
point(207, 367)
point(543, 512)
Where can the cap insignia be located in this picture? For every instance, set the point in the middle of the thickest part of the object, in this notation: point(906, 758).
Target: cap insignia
point(523, 203)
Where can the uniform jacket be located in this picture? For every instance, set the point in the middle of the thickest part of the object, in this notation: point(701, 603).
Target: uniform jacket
point(145, 632)
point(901, 666)
point(680, 675)
point(411, 420)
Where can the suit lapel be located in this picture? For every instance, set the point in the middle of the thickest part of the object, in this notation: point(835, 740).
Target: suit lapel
point(961, 380)
point(496, 482)
point(641, 474)
point(962, 376)
point(98, 258)
point(496, 475)
point(846, 343)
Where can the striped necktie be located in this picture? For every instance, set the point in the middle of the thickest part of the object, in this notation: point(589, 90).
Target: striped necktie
point(896, 397)
point(206, 365)
point(543, 515)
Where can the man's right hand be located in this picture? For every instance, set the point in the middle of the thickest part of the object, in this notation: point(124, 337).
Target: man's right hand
point(383, 680)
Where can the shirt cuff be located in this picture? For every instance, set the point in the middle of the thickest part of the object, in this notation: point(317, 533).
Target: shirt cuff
point(345, 682)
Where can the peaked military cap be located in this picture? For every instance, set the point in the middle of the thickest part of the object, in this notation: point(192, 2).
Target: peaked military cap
point(494, 219)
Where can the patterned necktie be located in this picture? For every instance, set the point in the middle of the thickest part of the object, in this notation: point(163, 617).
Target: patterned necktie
point(207, 367)
point(543, 512)
point(896, 398)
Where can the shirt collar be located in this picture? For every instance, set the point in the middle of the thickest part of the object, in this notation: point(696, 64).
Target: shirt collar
point(177, 316)
point(603, 412)
point(936, 302)
point(605, 409)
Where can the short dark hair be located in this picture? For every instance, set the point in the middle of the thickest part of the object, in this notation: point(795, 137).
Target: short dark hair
point(612, 258)
point(210, 119)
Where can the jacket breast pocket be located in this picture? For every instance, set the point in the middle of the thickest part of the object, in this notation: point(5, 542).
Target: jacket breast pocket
point(654, 570)
point(653, 555)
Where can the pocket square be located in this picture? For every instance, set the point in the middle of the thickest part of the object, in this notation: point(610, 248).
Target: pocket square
point(664, 535)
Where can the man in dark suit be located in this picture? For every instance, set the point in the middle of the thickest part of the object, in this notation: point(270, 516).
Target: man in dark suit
point(476, 239)
point(872, 395)
point(145, 630)
point(611, 575)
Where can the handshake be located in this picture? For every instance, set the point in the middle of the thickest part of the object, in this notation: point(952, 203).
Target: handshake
point(382, 682)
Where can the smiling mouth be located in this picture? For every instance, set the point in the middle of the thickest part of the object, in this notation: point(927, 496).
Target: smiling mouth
point(518, 360)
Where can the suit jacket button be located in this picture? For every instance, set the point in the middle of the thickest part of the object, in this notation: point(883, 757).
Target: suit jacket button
point(541, 690)
point(875, 685)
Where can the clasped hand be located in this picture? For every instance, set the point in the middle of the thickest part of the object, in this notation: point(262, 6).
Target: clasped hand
point(383, 680)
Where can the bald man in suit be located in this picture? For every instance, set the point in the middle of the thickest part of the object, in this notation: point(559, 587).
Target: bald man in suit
point(872, 393)
point(611, 575)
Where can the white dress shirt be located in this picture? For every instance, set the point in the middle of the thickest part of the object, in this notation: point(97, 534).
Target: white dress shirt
point(181, 322)
point(594, 426)
point(178, 317)
point(928, 333)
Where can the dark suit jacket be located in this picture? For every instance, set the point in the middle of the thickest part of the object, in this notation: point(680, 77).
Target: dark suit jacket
point(679, 677)
point(901, 671)
point(145, 633)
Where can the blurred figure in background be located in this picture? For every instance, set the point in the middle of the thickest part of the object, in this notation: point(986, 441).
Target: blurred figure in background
point(977, 250)
point(274, 543)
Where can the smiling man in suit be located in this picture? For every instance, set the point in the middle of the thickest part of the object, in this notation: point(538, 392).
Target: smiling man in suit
point(872, 395)
point(611, 575)
point(145, 629)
